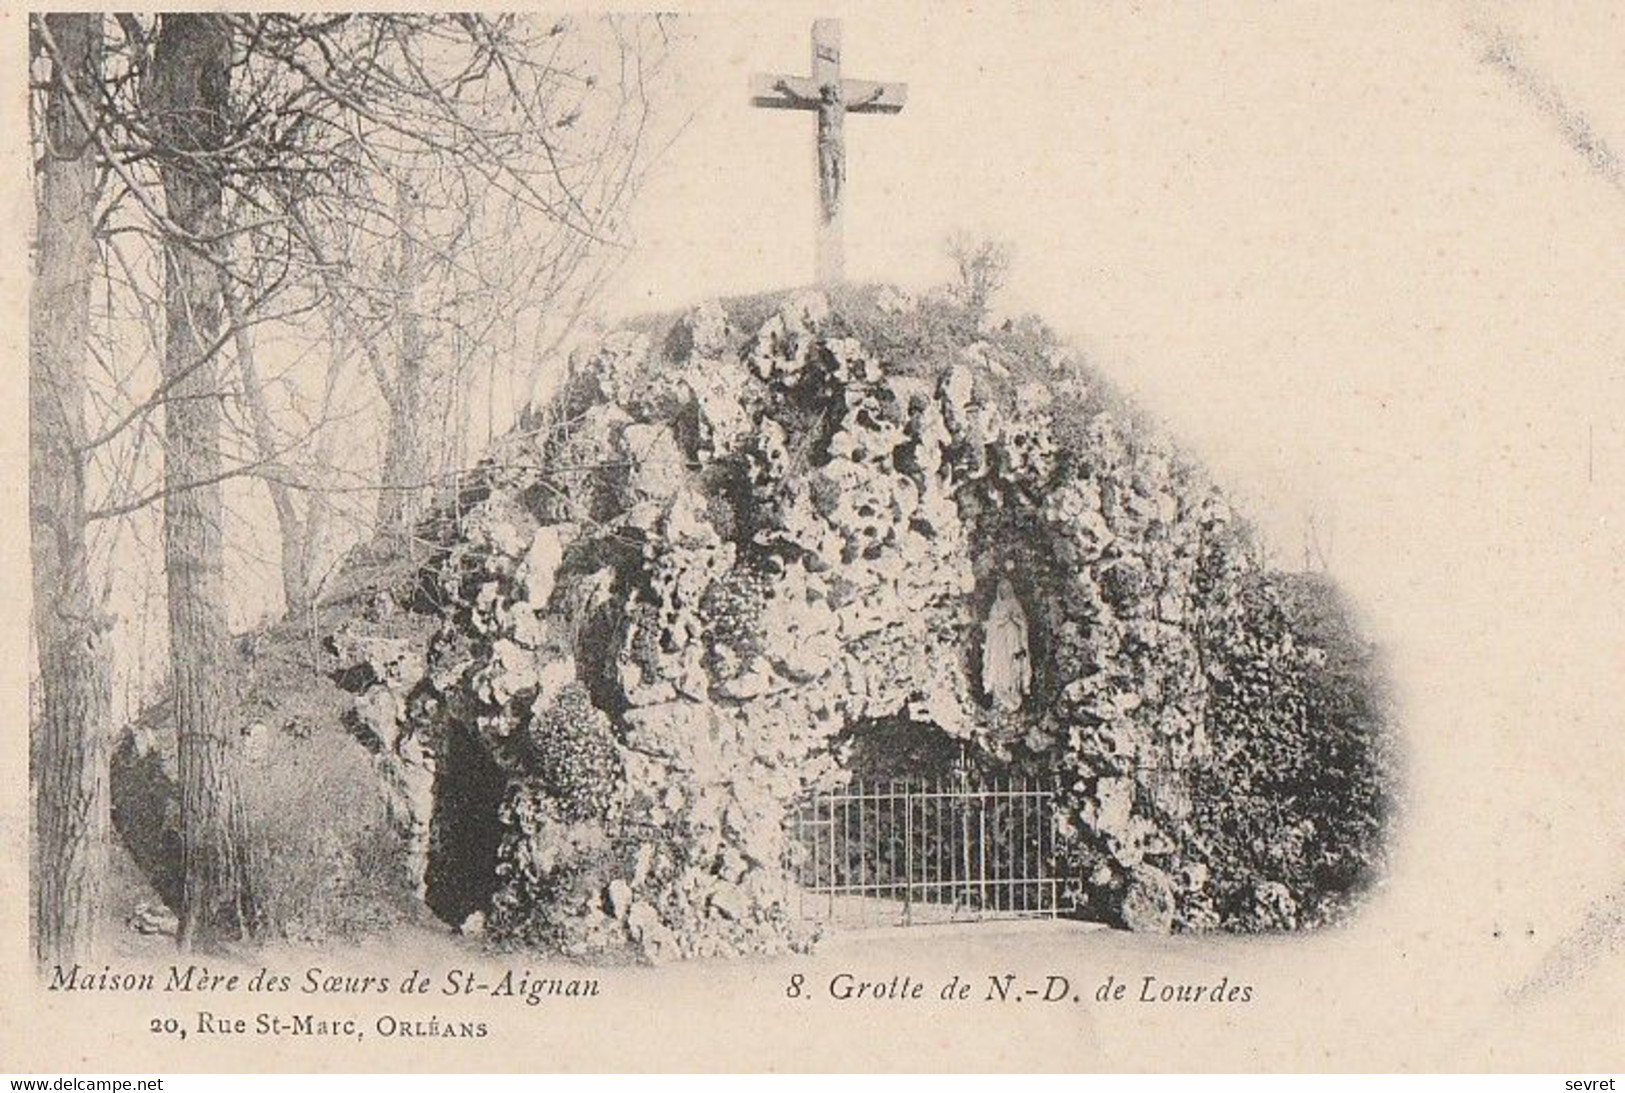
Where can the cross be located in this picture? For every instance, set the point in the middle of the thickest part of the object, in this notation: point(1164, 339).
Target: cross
point(832, 98)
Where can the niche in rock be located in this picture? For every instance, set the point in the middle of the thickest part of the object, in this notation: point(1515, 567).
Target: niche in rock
point(1012, 648)
point(886, 749)
point(1007, 671)
point(465, 830)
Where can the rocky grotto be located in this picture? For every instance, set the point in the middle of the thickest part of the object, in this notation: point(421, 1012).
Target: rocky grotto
point(745, 551)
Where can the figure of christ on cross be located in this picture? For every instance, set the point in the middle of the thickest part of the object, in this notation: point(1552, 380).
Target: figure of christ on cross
point(832, 98)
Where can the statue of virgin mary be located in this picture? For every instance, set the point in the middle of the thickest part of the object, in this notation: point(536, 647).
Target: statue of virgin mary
point(1007, 673)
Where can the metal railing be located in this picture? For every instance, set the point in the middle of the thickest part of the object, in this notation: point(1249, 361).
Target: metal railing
point(918, 852)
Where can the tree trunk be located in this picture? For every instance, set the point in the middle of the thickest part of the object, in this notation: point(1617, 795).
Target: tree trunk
point(404, 490)
point(291, 532)
point(189, 97)
point(73, 736)
point(318, 505)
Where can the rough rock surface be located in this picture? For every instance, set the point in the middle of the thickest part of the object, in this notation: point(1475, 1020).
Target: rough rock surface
point(753, 534)
point(721, 567)
point(732, 542)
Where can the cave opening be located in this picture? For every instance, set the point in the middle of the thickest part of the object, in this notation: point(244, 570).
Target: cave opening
point(901, 749)
point(929, 828)
point(465, 828)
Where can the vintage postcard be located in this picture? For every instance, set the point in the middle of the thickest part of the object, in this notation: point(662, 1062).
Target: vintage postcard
point(1049, 537)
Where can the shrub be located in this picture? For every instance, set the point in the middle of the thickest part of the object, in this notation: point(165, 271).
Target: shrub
point(553, 873)
point(573, 754)
point(327, 859)
point(330, 861)
point(1289, 811)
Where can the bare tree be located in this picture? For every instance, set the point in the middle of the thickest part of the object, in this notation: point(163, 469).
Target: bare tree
point(406, 465)
point(298, 500)
point(432, 198)
point(455, 188)
point(73, 734)
point(189, 99)
point(981, 267)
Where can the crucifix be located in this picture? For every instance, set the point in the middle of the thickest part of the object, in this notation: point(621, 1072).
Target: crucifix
point(832, 98)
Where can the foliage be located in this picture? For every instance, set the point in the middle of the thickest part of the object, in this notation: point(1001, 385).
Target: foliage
point(981, 267)
point(1290, 809)
point(553, 872)
point(573, 752)
point(330, 861)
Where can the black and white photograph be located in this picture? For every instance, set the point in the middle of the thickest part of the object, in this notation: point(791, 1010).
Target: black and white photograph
point(1077, 537)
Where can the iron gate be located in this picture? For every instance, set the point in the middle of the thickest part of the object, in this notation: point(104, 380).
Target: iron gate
point(923, 852)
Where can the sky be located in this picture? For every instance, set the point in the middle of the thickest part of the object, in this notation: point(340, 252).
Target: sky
point(1279, 209)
